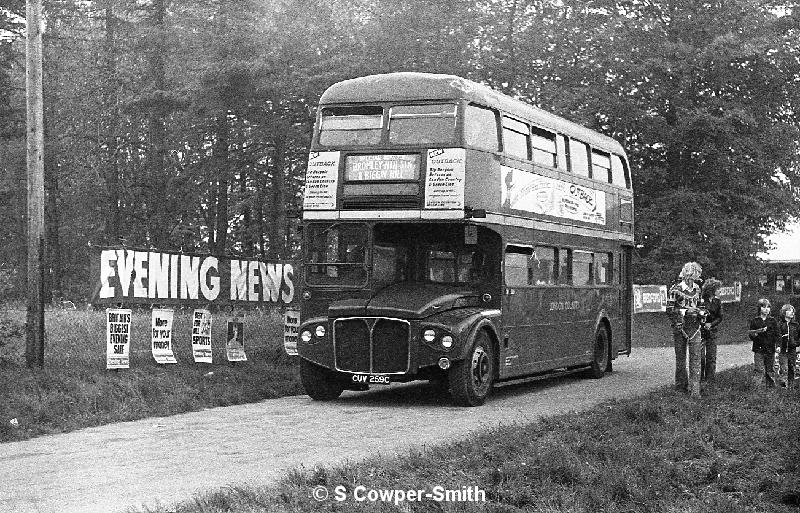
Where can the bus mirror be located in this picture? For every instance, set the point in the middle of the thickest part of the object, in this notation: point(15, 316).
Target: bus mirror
point(476, 213)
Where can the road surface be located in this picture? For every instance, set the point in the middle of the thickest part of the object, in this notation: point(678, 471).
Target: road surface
point(169, 459)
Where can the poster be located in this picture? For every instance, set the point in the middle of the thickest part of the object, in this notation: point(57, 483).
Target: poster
point(649, 298)
point(540, 194)
point(234, 345)
point(444, 181)
point(291, 327)
point(730, 293)
point(162, 335)
point(201, 336)
point(118, 338)
point(322, 180)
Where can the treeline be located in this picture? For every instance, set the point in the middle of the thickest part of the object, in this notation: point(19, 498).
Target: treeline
point(185, 125)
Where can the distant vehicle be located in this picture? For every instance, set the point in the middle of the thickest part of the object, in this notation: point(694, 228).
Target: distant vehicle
point(454, 233)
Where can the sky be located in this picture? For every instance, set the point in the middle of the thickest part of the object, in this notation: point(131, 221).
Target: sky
point(787, 244)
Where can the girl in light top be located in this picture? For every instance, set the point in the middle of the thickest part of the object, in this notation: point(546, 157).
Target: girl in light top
point(686, 317)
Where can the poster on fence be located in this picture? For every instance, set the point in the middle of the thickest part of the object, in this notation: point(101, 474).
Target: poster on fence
point(291, 325)
point(118, 338)
point(234, 347)
point(649, 298)
point(201, 336)
point(730, 293)
point(162, 335)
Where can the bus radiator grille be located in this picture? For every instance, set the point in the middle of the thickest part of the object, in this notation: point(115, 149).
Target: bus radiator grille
point(378, 346)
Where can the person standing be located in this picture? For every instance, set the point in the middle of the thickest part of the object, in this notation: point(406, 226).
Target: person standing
point(789, 332)
point(713, 308)
point(764, 334)
point(683, 303)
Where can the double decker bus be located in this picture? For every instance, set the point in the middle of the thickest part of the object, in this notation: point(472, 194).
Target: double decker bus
point(452, 233)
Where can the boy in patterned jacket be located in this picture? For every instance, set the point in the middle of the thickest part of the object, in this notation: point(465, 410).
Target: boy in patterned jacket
point(686, 317)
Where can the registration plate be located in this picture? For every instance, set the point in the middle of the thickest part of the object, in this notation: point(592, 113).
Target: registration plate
point(371, 379)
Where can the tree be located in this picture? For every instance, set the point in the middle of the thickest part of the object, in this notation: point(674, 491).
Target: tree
point(705, 98)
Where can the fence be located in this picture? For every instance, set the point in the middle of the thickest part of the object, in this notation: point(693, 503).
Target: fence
point(653, 298)
point(77, 336)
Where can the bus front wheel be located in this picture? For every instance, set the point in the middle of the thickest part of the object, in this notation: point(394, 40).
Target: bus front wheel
point(471, 379)
point(320, 383)
point(602, 354)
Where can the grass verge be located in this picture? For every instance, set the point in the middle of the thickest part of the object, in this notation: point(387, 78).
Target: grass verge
point(737, 449)
point(74, 390)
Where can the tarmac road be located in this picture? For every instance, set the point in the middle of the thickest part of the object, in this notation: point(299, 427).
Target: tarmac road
point(167, 460)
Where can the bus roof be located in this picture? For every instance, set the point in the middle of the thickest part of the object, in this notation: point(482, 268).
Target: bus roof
point(411, 86)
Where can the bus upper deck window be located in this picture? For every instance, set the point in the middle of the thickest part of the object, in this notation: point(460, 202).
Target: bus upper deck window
point(579, 158)
point(515, 138)
point(544, 147)
point(619, 175)
point(601, 166)
point(480, 128)
point(422, 124)
point(351, 126)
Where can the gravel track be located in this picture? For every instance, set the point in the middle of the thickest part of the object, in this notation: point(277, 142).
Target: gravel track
point(166, 460)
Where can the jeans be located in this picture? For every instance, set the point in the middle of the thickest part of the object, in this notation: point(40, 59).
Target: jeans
point(708, 368)
point(763, 368)
point(788, 363)
point(694, 345)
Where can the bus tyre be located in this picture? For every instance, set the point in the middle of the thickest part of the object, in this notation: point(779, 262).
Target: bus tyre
point(319, 383)
point(602, 354)
point(471, 379)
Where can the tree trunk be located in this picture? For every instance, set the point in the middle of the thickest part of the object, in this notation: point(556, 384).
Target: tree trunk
point(52, 285)
point(277, 240)
point(157, 202)
point(111, 142)
point(220, 229)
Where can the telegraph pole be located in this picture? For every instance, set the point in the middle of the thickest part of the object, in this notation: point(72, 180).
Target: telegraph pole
point(34, 331)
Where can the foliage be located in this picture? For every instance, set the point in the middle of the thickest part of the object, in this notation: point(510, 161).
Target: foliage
point(185, 125)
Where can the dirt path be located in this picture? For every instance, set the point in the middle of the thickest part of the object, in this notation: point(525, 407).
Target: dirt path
point(166, 460)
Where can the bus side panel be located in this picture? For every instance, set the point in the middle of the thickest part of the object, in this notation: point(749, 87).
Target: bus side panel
point(481, 190)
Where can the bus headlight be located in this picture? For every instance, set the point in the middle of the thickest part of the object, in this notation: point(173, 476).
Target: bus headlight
point(429, 335)
point(305, 336)
point(320, 331)
point(447, 341)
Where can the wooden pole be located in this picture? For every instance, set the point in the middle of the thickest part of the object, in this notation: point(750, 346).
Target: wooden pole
point(34, 332)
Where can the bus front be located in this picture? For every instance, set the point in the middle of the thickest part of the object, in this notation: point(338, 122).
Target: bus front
point(399, 284)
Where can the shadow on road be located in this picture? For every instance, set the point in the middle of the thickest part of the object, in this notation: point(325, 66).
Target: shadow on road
point(422, 393)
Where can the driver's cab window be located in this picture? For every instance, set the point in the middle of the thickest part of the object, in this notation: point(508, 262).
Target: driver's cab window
point(389, 264)
point(462, 265)
point(335, 254)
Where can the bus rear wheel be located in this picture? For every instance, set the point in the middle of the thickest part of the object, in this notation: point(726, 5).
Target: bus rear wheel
point(320, 383)
point(602, 354)
point(471, 379)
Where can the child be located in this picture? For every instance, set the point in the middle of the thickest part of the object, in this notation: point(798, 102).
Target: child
point(713, 306)
point(789, 332)
point(764, 334)
point(686, 318)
